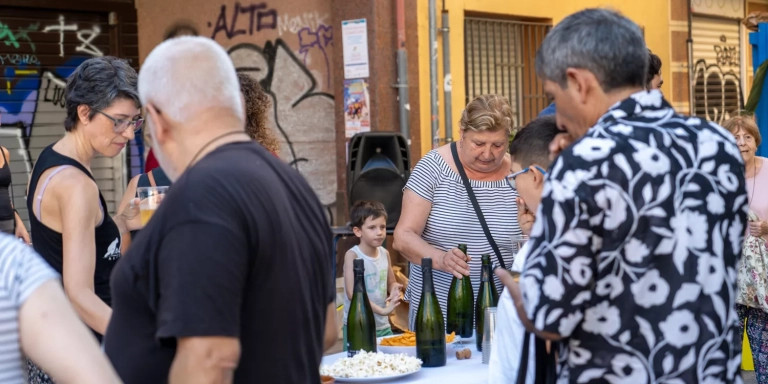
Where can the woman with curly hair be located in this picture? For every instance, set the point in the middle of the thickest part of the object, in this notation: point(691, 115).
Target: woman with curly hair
point(256, 106)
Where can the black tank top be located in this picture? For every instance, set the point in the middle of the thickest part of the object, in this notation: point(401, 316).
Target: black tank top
point(48, 243)
point(6, 212)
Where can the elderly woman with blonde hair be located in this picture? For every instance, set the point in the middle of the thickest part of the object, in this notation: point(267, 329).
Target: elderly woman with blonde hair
point(438, 214)
point(752, 299)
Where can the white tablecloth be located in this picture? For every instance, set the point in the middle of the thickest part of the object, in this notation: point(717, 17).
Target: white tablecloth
point(471, 371)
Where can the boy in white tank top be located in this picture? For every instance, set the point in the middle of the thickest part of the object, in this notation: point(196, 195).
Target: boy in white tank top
point(369, 223)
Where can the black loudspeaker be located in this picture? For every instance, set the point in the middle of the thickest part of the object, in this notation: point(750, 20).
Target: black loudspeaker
point(377, 169)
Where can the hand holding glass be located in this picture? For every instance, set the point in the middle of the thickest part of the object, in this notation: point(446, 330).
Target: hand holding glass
point(149, 200)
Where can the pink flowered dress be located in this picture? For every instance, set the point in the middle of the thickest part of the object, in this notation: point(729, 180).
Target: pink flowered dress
point(753, 269)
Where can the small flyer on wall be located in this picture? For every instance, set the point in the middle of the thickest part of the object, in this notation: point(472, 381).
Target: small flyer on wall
point(354, 40)
point(356, 107)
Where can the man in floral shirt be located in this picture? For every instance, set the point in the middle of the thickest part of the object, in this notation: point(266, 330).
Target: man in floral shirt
point(634, 249)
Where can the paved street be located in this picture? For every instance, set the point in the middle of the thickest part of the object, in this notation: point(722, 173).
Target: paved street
point(749, 377)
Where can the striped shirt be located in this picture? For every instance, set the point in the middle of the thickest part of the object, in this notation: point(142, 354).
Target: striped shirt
point(453, 220)
point(22, 271)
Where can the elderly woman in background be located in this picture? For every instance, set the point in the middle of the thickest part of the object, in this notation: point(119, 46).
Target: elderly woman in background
point(437, 213)
point(752, 305)
point(69, 217)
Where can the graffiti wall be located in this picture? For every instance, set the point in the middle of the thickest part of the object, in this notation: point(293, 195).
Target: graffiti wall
point(717, 91)
point(286, 46)
point(38, 51)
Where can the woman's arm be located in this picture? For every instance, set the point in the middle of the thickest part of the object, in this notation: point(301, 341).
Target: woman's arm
point(21, 230)
point(55, 339)
point(78, 198)
point(407, 240)
point(125, 208)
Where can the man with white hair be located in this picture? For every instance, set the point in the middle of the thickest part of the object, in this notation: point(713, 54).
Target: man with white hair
point(231, 279)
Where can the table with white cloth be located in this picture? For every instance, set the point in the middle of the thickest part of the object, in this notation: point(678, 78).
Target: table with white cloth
point(470, 371)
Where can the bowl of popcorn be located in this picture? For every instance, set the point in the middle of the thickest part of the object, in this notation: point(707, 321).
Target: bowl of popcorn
point(371, 366)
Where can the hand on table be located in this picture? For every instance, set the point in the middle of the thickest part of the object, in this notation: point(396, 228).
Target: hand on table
point(454, 262)
point(525, 217)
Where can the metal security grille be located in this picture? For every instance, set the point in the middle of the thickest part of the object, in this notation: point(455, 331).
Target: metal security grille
point(499, 58)
point(716, 68)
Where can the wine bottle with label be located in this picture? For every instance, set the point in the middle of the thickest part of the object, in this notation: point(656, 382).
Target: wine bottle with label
point(461, 304)
point(487, 296)
point(430, 328)
point(361, 326)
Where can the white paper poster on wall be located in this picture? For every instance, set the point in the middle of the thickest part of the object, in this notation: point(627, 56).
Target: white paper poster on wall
point(354, 39)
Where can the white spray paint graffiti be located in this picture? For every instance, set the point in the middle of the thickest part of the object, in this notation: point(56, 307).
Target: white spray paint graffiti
point(294, 23)
point(85, 36)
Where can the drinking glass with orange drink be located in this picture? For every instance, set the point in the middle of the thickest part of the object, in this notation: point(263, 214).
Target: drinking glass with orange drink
point(149, 200)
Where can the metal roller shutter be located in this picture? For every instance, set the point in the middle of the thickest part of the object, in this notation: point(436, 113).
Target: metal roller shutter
point(499, 59)
point(717, 57)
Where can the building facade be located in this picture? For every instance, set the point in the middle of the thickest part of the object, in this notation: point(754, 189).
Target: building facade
point(295, 48)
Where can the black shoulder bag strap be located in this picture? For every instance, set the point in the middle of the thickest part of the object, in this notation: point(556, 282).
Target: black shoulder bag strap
point(472, 198)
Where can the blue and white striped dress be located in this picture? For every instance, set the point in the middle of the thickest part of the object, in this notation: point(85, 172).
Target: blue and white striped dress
point(453, 220)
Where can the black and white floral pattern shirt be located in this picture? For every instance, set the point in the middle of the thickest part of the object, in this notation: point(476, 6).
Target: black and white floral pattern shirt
point(634, 250)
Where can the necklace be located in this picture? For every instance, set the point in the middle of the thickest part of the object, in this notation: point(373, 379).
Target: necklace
point(208, 144)
point(754, 181)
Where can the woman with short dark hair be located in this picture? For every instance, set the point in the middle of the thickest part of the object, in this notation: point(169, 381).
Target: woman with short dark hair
point(69, 217)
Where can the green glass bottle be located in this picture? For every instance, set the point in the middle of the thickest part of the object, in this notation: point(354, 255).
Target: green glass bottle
point(430, 328)
point(487, 296)
point(361, 326)
point(461, 303)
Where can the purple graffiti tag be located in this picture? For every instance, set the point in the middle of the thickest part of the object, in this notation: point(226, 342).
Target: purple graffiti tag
point(262, 16)
point(320, 38)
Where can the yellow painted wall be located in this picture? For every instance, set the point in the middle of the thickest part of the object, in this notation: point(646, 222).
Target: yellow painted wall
point(652, 15)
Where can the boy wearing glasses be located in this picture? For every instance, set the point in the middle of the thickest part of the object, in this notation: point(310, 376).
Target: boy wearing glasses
point(530, 159)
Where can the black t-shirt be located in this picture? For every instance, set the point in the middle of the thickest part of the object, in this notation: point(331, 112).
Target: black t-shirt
point(240, 247)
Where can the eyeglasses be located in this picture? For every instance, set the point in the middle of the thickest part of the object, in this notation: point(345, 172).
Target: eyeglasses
point(122, 124)
point(511, 178)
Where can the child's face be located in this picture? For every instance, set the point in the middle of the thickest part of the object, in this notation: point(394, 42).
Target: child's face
point(373, 232)
point(529, 186)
